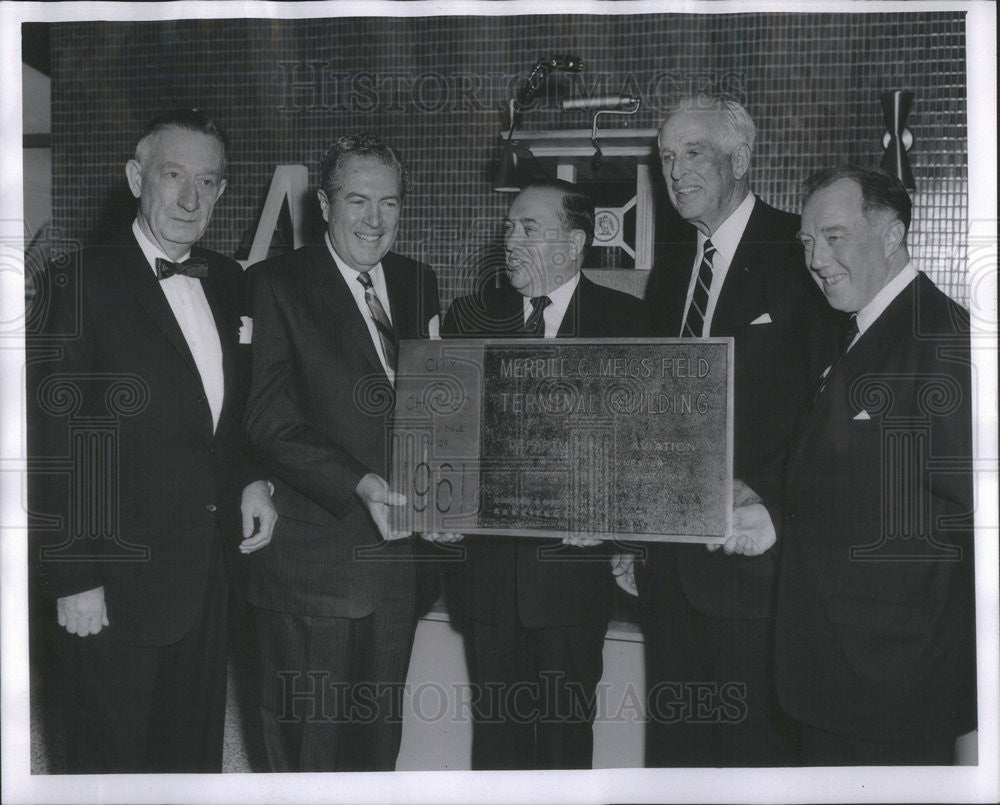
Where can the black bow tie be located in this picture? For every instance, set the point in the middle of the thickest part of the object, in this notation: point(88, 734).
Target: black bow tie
point(192, 267)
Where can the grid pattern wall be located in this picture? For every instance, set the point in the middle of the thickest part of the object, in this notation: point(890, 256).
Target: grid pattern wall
point(436, 87)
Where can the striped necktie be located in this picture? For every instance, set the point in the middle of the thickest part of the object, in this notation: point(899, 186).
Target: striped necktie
point(535, 325)
point(382, 323)
point(694, 322)
point(847, 336)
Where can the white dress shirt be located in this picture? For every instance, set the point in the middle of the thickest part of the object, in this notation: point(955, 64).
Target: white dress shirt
point(377, 276)
point(893, 288)
point(556, 309)
point(726, 240)
point(194, 316)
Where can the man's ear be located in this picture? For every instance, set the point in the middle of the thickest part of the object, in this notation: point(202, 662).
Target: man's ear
point(324, 204)
point(578, 242)
point(133, 172)
point(222, 188)
point(893, 235)
point(740, 160)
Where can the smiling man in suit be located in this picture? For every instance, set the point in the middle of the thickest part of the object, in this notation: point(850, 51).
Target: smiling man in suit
point(148, 340)
point(335, 594)
point(540, 609)
point(876, 626)
point(709, 615)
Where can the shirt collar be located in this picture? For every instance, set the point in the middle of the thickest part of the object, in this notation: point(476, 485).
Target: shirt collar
point(726, 238)
point(151, 250)
point(893, 288)
point(350, 274)
point(558, 297)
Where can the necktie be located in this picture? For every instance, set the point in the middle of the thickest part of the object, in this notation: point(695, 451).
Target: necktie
point(382, 323)
point(694, 322)
point(192, 267)
point(847, 335)
point(535, 325)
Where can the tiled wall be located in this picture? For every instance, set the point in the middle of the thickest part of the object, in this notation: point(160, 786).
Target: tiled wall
point(435, 87)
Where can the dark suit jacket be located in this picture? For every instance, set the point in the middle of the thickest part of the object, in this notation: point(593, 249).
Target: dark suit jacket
point(122, 379)
point(880, 644)
point(318, 415)
point(525, 576)
point(776, 366)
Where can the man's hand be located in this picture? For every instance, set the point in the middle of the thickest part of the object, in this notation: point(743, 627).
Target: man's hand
point(256, 503)
point(623, 570)
point(753, 531)
point(581, 542)
point(374, 493)
point(438, 536)
point(741, 542)
point(743, 495)
point(84, 613)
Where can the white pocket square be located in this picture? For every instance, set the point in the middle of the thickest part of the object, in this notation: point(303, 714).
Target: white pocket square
point(862, 416)
point(764, 318)
point(246, 330)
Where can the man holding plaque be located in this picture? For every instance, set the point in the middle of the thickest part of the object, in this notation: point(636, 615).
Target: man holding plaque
point(709, 615)
point(875, 646)
point(334, 595)
point(540, 608)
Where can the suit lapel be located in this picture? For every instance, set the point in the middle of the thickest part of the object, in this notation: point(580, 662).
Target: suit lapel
point(676, 295)
point(144, 286)
point(401, 296)
point(859, 360)
point(225, 323)
point(332, 288)
point(569, 327)
point(733, 298)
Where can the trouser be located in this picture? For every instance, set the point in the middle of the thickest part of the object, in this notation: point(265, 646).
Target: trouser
point(534, 694)
point(332, 688)
point(821, 748)
point(149, 708)
point(709, 681)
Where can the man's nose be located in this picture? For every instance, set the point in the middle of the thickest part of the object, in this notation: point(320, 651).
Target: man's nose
point(189, 197)
point(817, 256)
point(373, 215)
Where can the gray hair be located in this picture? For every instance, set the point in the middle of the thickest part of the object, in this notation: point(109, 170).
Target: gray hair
point(187, 119)
point(738, 127)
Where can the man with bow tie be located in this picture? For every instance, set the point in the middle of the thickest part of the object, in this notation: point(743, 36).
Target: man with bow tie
point(737, 273)
point(335, 597)
point(146, 353)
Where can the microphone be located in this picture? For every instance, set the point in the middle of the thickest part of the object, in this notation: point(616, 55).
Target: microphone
point(601, 102)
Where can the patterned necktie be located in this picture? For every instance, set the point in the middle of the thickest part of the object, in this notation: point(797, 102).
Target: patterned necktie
point(535, 325)
point(694, 322)
point(847, 335)
point(192, 267)
point(382, 323)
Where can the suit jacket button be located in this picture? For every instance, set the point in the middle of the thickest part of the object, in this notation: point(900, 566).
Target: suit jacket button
point(211, 507)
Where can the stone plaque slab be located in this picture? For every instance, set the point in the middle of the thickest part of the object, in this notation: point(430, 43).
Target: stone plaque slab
point(608, 438)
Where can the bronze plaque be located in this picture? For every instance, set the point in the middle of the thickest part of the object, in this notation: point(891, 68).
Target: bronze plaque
point(608, 438)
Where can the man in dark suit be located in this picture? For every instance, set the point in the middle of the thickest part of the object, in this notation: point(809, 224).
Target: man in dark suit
point(147, 385)
point(875, 625)
point(709, 614)
point(335, 594)
point(540, 608)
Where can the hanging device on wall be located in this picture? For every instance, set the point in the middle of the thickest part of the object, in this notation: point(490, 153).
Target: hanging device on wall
point(897, 139)
point(505, 180)
point(623, 105)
